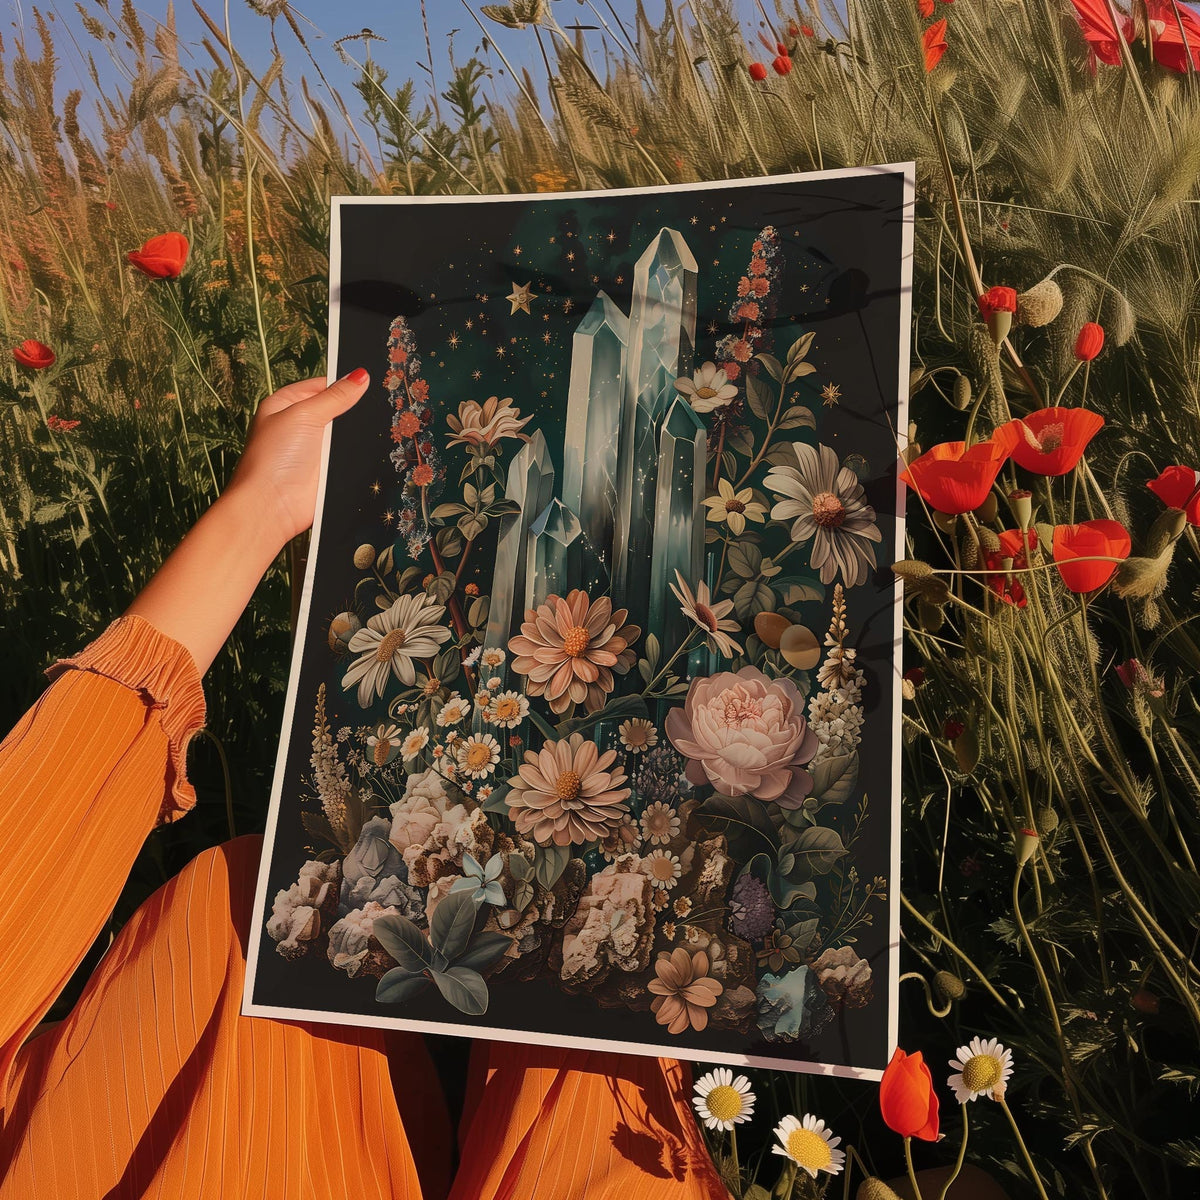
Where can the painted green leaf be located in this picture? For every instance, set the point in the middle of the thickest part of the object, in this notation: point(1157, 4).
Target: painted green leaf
point(816, 849)
point(752, 598)
point(464, 988)
point(834, 778)
point(404, 942)
point(452, 924)
point(759, 397)
point(549, 863)
point(772, 365)
point(399, 985)
point(486, 949)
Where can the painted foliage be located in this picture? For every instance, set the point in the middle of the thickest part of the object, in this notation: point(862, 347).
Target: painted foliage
point(592, 729)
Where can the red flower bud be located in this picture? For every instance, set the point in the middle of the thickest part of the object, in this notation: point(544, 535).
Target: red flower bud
point(915, 675)
point(1179, 487)
point(1144, 1001)
point(998, 299)
point(1090, 342)
point(906, 1097)
point(161, 257)
point(782, 65)
point(758, 72)
point(35, 355)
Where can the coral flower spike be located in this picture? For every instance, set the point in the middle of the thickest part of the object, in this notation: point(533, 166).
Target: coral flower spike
point(955, 478)
point(1053, 439)
point(906, 1097)
point(161, 257)
point(1095, 540)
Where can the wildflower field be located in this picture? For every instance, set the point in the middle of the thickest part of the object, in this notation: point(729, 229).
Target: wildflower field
point(163, 266)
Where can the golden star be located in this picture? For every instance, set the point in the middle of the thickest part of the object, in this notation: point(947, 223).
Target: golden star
point(520, 297)
point(452, 340)
point(499, 351)
point(831, 394)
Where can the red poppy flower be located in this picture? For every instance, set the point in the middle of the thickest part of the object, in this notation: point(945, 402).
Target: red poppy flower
point(35, 355)
point(952, 729)
point(1090, 341)
point(954, 478)
point(782, 65)
point(758, 71)
point(58, 424)
point(933, 42)
point(1179, 487)
point(161, 257)
point(1010, 588)
point(1099, 31)
point(1089, 539)
point(998, 299)
point(907, 1099)
point(925, 8)
point(1175, 50)
point(1052, 440)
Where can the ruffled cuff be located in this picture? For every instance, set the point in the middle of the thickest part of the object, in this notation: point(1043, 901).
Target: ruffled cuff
point(133, 652)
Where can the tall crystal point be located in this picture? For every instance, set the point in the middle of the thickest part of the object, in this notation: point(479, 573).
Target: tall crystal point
point(530, 485)
point(593, 428)
point(678, 519)
point(662, 335)
point(553, 562)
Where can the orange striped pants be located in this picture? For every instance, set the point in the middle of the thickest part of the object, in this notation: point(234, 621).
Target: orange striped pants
point(156, 1086)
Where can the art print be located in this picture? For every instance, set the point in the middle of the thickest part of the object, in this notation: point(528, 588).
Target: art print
point(592, 729)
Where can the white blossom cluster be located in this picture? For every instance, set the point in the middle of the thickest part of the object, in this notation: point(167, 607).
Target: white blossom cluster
point(835, 713)
point(329, 775)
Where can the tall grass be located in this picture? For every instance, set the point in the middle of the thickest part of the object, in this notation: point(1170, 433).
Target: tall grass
point(1031, 162)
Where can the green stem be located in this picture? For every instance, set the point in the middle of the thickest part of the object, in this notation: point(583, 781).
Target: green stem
point(912, 1175)
point(1033, 1172)
point(962, 1153)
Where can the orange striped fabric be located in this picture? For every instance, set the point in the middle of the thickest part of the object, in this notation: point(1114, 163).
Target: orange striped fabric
point(156, 1086)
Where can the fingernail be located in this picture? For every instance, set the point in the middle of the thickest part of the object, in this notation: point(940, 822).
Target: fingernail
point(358, 376)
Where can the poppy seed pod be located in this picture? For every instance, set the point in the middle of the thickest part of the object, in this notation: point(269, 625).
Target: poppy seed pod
point(1040, 304)
point(1089, 342)
point(875, 1189)
point(364, 556)
point(1140, 577)
point(989, 540)
point(1047, 820)
point(1021, 503)
point(961, 395)
point(986, 512)
point(948, 986)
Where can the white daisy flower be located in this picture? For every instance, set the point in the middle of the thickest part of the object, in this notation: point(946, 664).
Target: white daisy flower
point(495, 682)
point(708, 389)
point(637, 734)
point(507, 709)
point(663, 868)
point(660, 823)
point(454, 710)
point(810, 1145)
point(391, 642)
point(983, 1069)
point(485, 791)
point(492, 658)
point(723, 1100)
point(415, 742)
point(479, 754)
point(473, 657)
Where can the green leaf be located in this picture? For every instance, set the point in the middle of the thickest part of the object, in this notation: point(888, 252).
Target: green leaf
point(486, 949)
point(477, 613)
point(834, 778)
point(449, 541)
point(799, 370)
point(404, 941)
point(472, 526)
point(751, 599)
point(452, 924)
point(471, 495)
point(816, 851)
point(463, 988)
point(785, 891)
point(742, 441)
point(652, 650)
point(745, 558)
point(449, 509)
point(798, 416)
point(759, 397)
point(773, 366)
point(399, 985)
point(549, 863)
point(614, 710)
point(800, 347)
point(744, 822)
point(497, 802)
point(441, 588)
point(797, 590)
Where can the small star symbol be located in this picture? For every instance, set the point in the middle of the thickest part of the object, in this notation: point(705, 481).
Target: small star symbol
point(520, 298)
point(546, 337)
point(483, 299)
point(568, 305)
point(712, 328)
point(712, 229)
point(826, 299)
point(620, 279)
point(517, 251)
point(804, 287)
point(469, 323)
point(610, 237)
point(694, 220)
point(512, 341)
point(545, 316)
point(543, 395)
point(499, 351)
point(387, 517)
point(553, 240)
point(716, 262)
point(476, 374)
point(375, 488)
point(831, 394)
point(723, 220)
point(452, 341)
point(595, 278)
point(570, 256)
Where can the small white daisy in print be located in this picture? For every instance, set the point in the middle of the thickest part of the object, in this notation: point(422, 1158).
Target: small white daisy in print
point(492, 658)
point(507, 709)
point(660, 823)
point(723, 1099)
point(454, 710)
point(415, 742)
point(479, 754)
point(663, 869)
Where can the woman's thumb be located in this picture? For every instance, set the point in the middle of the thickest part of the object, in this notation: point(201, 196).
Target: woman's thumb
point(338, 397)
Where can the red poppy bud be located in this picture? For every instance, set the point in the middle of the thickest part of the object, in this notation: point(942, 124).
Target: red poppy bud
point(780, 48)
point(1090, 342)
point(793, 29)
point(1026, 845)
point(35, 355)
point(906, 1097)
point(758, 72)
point(1096, 540)
point(951, 729)
point(161, 257)
point(1179, 487)
point(998, 299)
point(807, 31)
point(782, 65)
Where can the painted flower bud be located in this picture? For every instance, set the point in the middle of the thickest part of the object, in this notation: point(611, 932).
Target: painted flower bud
point(1047, 821)
point(1025, 845)
point(1040, 304)
point(948, 986)
point(364, 556)
point(961, 395)
point(1089, 342)
point(875, 1189)
point(782, 65)
point(1168, 527)
point(1021, 503)
point(930, 617)
point(1145, 1002)
point(758, 72)
point(966, 750)
point(341, 629)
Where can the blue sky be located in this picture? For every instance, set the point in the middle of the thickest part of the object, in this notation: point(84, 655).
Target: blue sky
point(403, 50)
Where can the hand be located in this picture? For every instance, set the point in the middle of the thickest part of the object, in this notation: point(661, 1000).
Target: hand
point(281, 464)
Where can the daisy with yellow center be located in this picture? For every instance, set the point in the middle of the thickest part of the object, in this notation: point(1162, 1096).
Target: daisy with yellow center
point(660, 823)
point(492, 658)
point(637, 734)
point(478, 755)
point(415, 742)
point(712, 618)
point(982, 1069)
point(454, 710)
point(734, 508)
point(663, 869)
point(384, 744)
point(809, 1144)
point(723, 1100)
point(507, 709)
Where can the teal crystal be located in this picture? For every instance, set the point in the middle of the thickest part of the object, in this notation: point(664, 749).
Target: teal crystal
point(531, 486)
point(662, 333)
point(593, 428)
point(678, 516)
point(553, 563)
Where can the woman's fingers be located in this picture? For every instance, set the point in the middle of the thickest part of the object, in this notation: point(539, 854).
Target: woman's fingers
point(340, 396)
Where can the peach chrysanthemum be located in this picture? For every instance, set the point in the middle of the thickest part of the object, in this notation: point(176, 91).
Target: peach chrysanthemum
point(683, 990)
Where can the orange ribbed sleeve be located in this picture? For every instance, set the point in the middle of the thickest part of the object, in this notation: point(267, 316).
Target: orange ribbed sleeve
point(84, 777)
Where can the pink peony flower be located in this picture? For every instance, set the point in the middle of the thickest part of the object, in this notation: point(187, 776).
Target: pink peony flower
point(746, 735)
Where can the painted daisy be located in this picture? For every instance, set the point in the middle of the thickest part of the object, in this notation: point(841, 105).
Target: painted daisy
point(415, 742)
point(384, 744)
point(660, 823)
point(663, 868)
point(391, 643)
point(723, 1099)
point(492, 657)
point(712, 617)
point(479, 754)
point(454, 710)
point(983, 1069)
point(637, 734)
point(507, 709)
point(810, 1145)
point(473, 657)
point(708, 389)
point(734, 508)
point(495, 682)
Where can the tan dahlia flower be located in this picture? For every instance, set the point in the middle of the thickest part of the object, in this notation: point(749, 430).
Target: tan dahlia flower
point(485, 424)
point(683, 990)
point(568, 792)
point(570, 648)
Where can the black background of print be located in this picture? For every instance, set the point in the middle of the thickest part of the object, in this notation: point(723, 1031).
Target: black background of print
point(433, 263)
